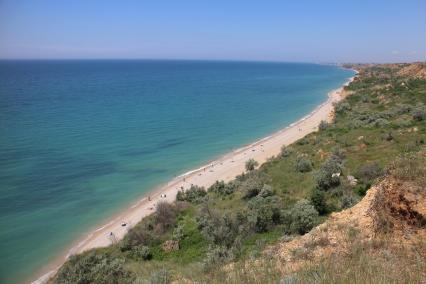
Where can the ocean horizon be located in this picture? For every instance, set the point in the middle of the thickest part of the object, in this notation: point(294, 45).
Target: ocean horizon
point(82, 139)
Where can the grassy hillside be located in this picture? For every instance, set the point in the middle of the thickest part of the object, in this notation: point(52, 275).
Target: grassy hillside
point(383, 118)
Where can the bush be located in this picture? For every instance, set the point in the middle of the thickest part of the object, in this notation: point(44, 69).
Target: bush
point(368, 173)
point(142, 252)
point(380, 122)
point(303, 164)
point(318, 199)
point(251, 164)
point(251, 187)
point(222, 188)
point(342, 107)
point(216, 257)
point(218, 229)
point(419, 113)
point(161, 276)
point(263, 212)
point(326, 176)
point(194, 194)
point(165, 216)
point(348, 201)
point(178, 233)
point(286, 151)
point(266, 191)
point(323, 125)
point(94, 267)
point(303, 217)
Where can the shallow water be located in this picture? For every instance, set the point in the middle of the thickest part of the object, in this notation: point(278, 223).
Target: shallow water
point(81, 139)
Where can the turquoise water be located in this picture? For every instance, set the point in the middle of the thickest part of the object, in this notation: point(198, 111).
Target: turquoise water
point(80, 140)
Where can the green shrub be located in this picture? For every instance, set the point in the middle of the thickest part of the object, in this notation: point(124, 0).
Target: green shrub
point(348, 201)
point(161, 276)
point(303, 164)
point(142, 252)
point(419, 113)
point(380, 122)
point(323, 125)
point(266, 191)
point(263, 212)
point(251, 187)
point(217, 228)
point(222, 188)
point(178, 233)
point(342, 107)
point(94, 267)
point(216, 257)
point(328, 175)
point(251, 164)
point(195, 194)
point(286, 151)
point(368, 173)
point(303, 217)
point(165, 216)
point(318, 200)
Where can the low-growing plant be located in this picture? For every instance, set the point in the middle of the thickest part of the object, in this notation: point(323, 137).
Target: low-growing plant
point(251, 187)
point(178, 233)
point(216, 257)
point(286, 151)
point(263, 213)
point(303, 216)
point(94, 267)
point(323, 125)
point(222, 188)
point(318, 200)
point(161, 276)
point(142, 252)
point(367, 173)
point(195, 194)
point(303, 164)
point(419, 113)
point(342, 107)
point(165, 216)
point(251, 164)
point(329, 174)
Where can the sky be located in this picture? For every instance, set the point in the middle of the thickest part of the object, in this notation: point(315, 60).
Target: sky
point(301, 31)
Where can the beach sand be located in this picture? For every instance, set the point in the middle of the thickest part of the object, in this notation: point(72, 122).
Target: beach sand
point(225, 168)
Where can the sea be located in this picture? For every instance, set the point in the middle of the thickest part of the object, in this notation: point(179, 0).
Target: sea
point(81, 140)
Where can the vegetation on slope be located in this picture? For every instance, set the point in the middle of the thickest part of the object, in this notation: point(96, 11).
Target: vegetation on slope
point(383, 118)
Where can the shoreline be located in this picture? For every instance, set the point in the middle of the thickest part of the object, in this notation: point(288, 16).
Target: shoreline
point(225, 168)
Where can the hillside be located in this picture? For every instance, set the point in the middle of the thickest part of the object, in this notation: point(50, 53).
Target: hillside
point(345, 204)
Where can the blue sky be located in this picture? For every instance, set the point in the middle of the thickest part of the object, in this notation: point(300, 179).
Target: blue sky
point(305, 31)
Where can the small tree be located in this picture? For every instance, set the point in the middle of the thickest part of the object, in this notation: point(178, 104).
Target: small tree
point(165, 215)
point(263, 212)
point(251, 164)
point(303, 217)
point(419, 113)
point(194, 194)
point(319, 201)
point(328, 174)
point(251, 187)
point(303, 164)
point(323, 125)
point(178, 233)
point(286, 151)
point(142, 252)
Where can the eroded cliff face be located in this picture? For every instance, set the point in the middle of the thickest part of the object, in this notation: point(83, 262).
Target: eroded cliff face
point(391, 218)
point(415, 70)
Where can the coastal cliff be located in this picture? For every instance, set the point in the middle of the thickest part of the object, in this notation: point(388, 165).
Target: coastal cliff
point(343, 204)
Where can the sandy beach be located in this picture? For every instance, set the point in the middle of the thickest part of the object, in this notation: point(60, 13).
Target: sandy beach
point(225, 168)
